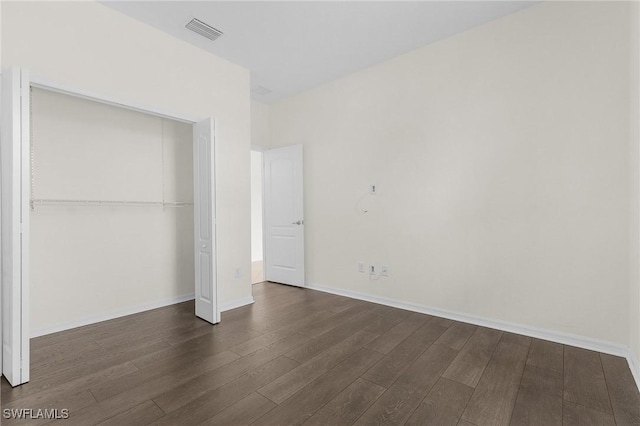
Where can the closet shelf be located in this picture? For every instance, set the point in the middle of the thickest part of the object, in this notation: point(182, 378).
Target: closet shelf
point(52, 202)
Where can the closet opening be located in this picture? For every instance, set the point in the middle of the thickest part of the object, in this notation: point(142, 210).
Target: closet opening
point(112, 227)
point(108, 209)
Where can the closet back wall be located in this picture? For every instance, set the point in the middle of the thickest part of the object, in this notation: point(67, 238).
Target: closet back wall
point(92, 262)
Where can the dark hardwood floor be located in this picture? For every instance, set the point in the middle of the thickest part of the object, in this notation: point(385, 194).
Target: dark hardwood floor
point(300, 356)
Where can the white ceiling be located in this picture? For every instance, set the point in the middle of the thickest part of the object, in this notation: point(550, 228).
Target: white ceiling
point(290, 47)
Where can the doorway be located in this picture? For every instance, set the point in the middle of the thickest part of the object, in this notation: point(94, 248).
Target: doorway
point(277, 215)
point(257, 241)
point(17, 201)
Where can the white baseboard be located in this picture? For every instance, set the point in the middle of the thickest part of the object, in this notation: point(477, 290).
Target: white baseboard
point(111, 315)
point(233, 304)
point(133, 310)
point(550, 335)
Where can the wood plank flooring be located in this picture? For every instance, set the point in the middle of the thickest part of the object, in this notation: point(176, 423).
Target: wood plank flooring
point(298, 356)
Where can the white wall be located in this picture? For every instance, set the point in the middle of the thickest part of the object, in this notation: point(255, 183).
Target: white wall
point(501, 160)
point(260, 124)
point(91, 47)
point(634, 157)
point(256, 206)
point(0, 34)
point(93, 260)
point(260, 139)
point(0, 231)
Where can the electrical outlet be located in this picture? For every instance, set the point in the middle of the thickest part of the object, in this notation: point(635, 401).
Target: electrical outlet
point(361, 267)
point(384, 271)
point(372, 190)
point(236, 273)
point(372, 269)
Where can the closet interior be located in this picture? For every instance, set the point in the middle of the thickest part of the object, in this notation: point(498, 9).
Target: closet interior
point(111, 210)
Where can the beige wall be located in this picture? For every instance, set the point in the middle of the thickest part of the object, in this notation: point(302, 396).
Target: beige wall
point(93, 48)
point(634, 175)
point(260, 124)
point(501, 161)
point(0, 34)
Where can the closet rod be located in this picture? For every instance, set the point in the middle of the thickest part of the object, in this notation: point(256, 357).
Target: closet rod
point(51, 202)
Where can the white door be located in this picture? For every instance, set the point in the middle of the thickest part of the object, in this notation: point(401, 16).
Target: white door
point(283, 216)
point(16, 188)
point(204, 210)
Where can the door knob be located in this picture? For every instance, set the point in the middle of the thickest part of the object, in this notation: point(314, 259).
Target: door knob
point(300, 222)
point(204, 246)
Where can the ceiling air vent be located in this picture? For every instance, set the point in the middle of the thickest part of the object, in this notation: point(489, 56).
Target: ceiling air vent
point(203, 29)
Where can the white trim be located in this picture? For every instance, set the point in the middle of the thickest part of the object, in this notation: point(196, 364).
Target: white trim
point(1, 350)
point(42, 83)
point(134, 310)
point(539, 333)
point(25, 225)
point(259, 148)
point(15, 219)
point(112, 315)
point(214, 212)
point(233, 304)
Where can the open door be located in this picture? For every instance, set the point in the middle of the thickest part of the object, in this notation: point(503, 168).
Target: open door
point(283, 216)
point(16, 188)
point(204, 223)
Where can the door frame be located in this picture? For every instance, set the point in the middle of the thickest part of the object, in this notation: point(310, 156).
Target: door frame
point(39, 82)
point(265, 230)
point(16, 239)
point(261, 149)
point(204, 130)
